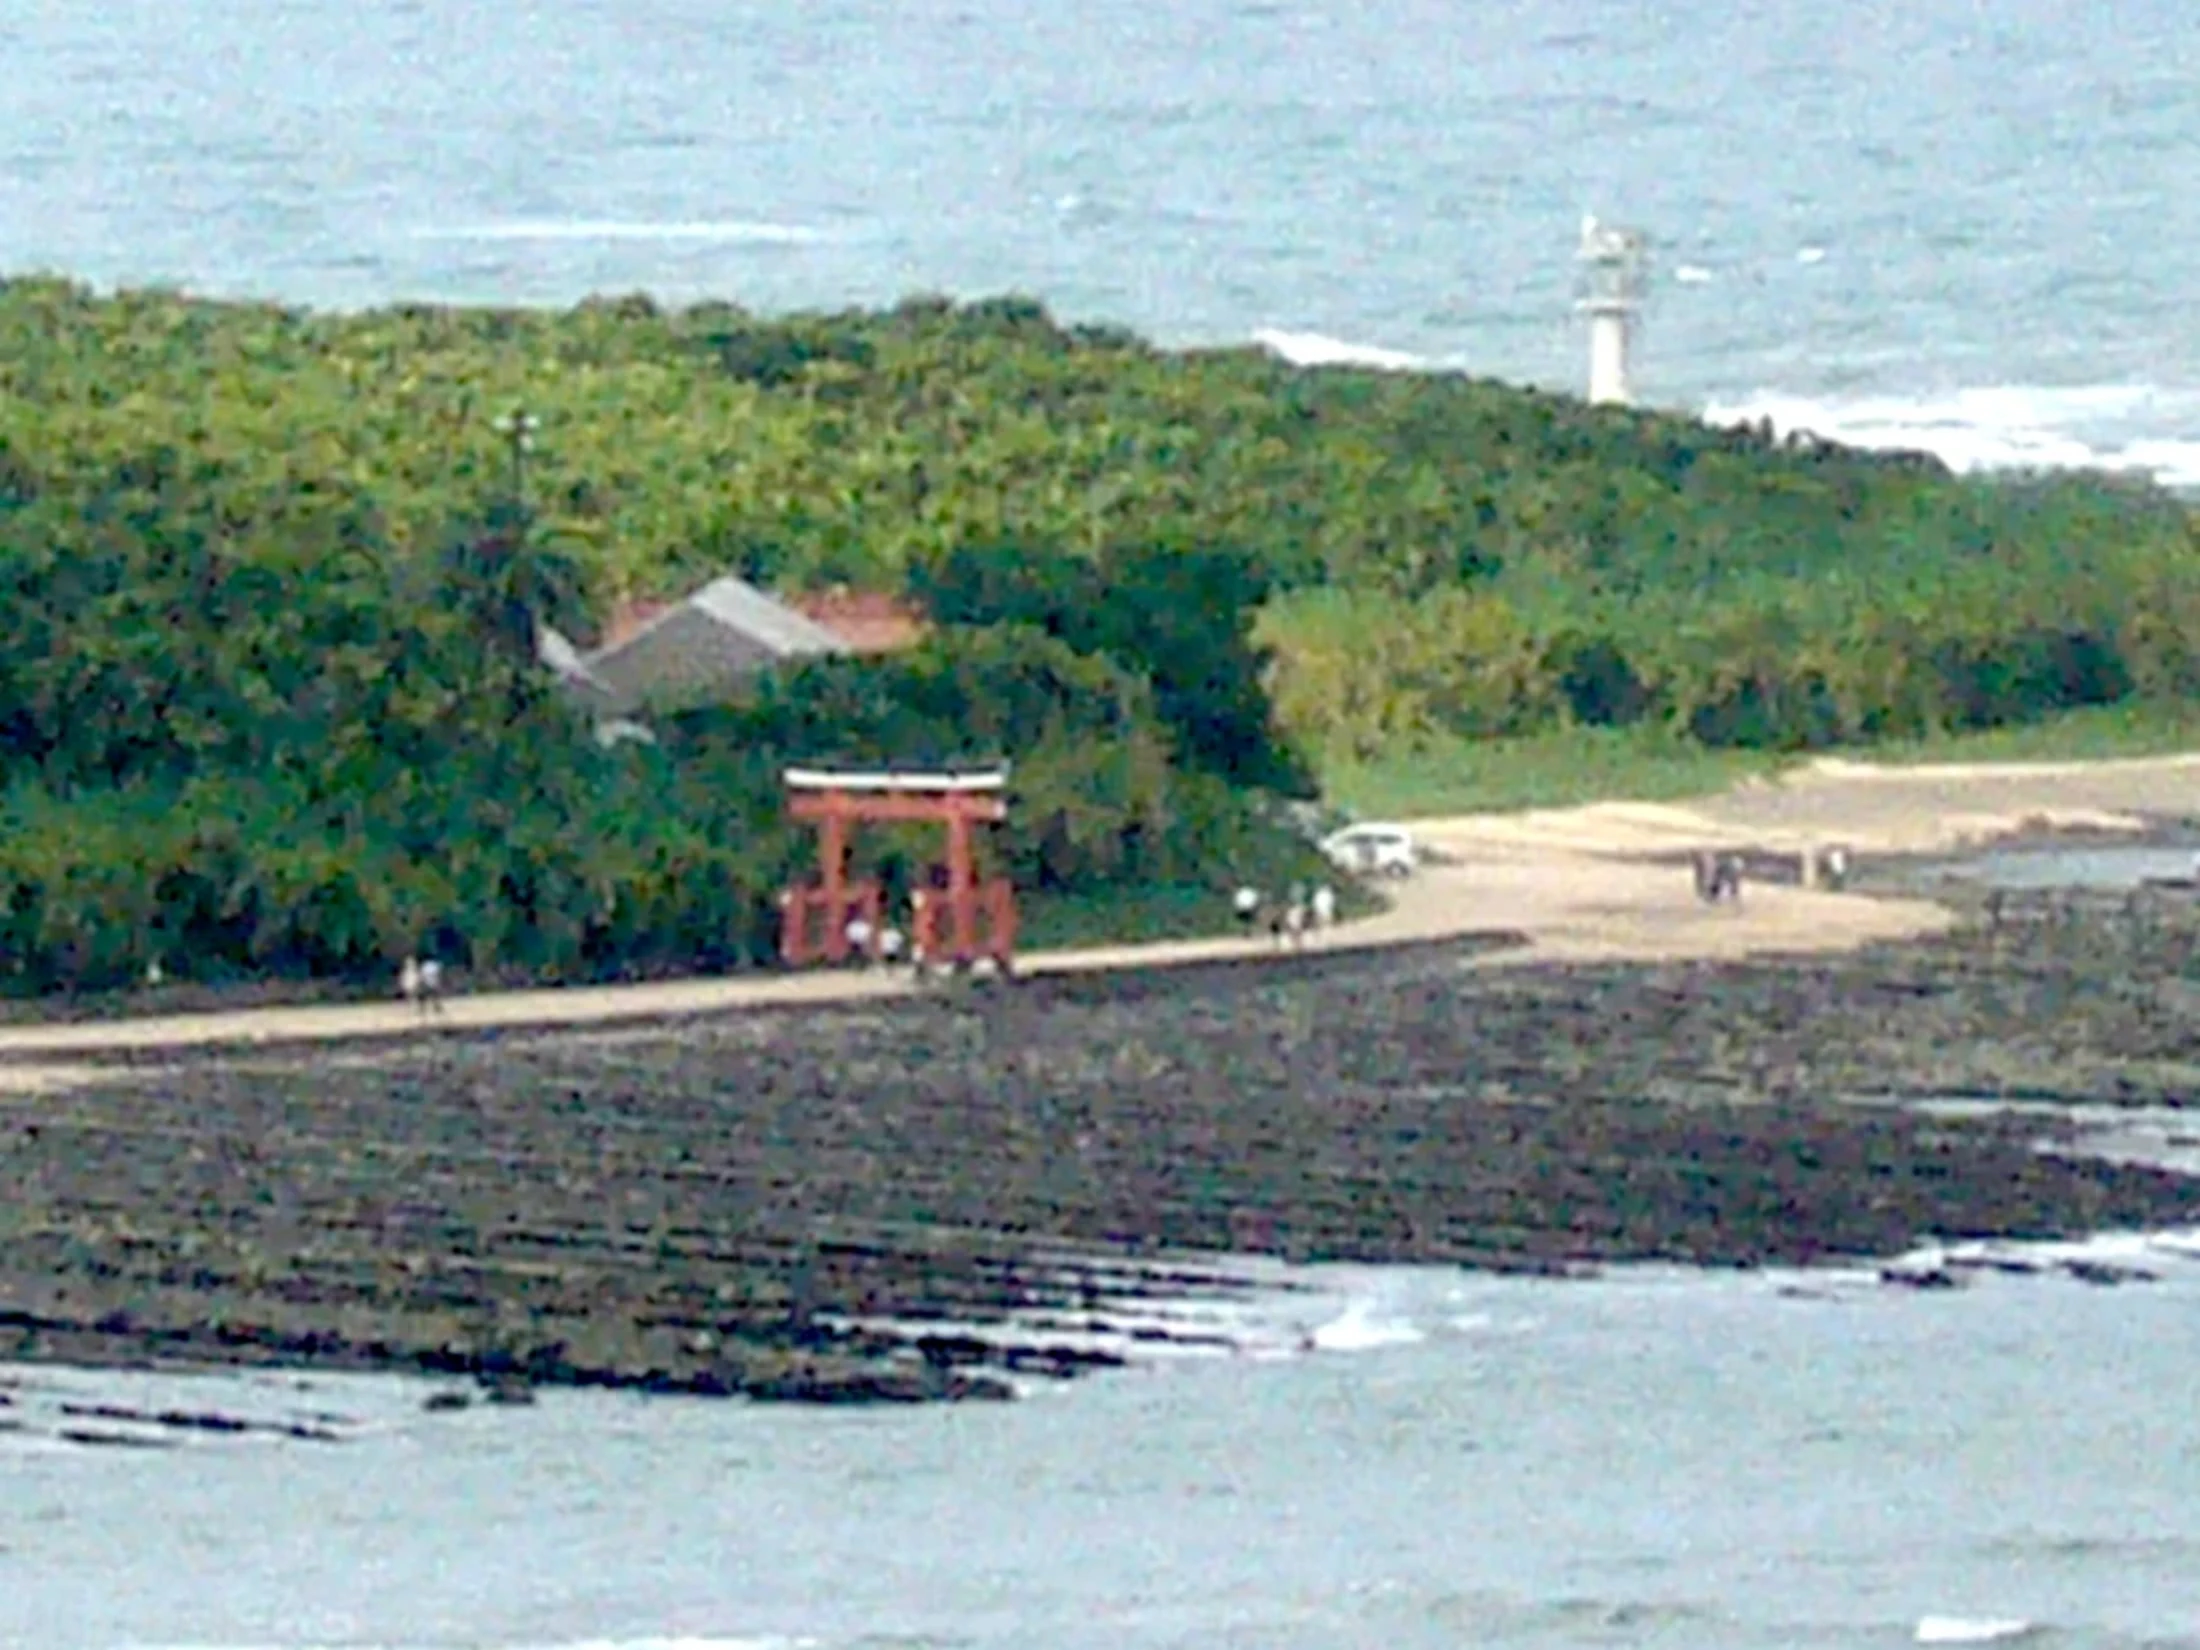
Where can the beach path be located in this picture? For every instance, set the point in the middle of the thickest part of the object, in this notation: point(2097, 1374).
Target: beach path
point(1602, 882)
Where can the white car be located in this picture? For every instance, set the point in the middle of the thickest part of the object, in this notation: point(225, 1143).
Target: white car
point(1372, 850)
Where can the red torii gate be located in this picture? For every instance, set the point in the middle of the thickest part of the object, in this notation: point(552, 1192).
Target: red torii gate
point(958, 922)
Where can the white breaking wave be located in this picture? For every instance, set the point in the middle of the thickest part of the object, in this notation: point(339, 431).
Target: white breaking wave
point(726, 232)
point(2119, 428)
point(1363, 1327)
point(1971, 1630)
point(2105, 1258)
point(1314, 349)
point(1259, 1310)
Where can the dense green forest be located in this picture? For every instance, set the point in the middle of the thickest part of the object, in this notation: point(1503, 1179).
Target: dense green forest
point(269, 581)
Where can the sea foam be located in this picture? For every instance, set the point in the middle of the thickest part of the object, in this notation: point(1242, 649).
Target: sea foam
point(2122, 429)
point(1971, 1629)
point(2126, 429)
point(1315, 349)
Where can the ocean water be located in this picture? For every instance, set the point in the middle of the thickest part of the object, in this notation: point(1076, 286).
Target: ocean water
point(2112, 867)
point(1938, 223)
point(1954, 225)
point(1651, 1459)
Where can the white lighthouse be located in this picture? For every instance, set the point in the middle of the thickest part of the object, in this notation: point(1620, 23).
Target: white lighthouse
point(1611, 262)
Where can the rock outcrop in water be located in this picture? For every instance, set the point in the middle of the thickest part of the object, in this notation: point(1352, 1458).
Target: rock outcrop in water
point(882, 1204)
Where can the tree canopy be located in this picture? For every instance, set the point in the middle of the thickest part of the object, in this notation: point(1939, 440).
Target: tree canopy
point(268, 695)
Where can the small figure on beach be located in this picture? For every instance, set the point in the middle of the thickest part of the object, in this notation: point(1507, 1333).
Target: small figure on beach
point(1325, 907)
point(890, 944)
point(420, 982)
point(1295, 920)
point(1701, 863)
point(1718, 876)
point(858, 934)
point(1246, 902)
point(1833, 868)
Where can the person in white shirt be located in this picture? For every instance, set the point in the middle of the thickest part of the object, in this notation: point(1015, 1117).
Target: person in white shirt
point(1247, 904)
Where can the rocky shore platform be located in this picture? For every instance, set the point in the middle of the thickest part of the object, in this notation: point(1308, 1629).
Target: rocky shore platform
point(777, 1203)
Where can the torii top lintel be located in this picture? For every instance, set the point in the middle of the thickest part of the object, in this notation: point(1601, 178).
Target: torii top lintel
point(887, 795)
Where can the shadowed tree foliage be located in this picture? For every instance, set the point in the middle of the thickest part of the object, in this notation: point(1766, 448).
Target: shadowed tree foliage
point(1182, 616)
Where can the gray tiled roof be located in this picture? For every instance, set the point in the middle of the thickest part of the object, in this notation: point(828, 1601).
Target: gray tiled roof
point(703, 647)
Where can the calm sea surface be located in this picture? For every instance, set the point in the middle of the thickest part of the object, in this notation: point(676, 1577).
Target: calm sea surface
point(1651, 1460)
point(1942, 223)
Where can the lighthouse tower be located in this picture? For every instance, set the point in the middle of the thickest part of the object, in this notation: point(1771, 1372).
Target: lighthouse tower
point(1611, 262)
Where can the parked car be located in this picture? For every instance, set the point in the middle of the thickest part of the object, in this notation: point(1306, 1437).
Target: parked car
point(1373, 850)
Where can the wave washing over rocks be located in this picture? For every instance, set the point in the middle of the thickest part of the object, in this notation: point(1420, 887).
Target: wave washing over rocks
point(2129, 429)
point(1216, 1307)
point(1654, 1456)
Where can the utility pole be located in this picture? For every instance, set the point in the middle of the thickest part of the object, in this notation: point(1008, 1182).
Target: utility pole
point(509, 575)
point(518, 428)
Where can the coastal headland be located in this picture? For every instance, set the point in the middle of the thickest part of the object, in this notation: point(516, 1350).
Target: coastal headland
point(336, 646)
point(1548, 1053)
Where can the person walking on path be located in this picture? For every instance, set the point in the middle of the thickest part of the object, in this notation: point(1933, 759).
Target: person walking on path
point(1246, 902)
point(1324, 908)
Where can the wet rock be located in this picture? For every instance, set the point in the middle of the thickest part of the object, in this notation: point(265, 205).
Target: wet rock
point(1499, 1264)
point(173, 1420)
point(2106, 1275)
point(913, 1384)
point(208, 1423)
point(1921, 1277)
point(446, 1403)
point(111, 1440)
point(999, 1160)
point(2008, 1265)
point(509, 1391)
point(1061, 1362)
